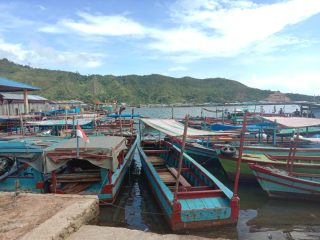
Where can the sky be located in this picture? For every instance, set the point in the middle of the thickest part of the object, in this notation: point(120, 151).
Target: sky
point(266, 44)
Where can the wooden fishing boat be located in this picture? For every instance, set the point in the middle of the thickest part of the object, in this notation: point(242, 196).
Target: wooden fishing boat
point(21, 162)
point(272, 150)
point(98, 170)
point(284, 184)
point(302, 164)
point(201, 201)
point(52, 164)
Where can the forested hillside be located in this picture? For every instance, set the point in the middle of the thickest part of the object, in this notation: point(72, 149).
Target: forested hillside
point(134, 89)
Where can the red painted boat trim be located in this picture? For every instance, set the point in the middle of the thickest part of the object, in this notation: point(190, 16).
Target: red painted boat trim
point(40, 185)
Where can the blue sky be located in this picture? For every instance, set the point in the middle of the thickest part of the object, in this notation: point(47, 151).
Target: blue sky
point(267, 44)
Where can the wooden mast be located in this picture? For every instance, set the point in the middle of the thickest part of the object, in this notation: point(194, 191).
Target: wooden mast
point(184, 137)
point(235, 201)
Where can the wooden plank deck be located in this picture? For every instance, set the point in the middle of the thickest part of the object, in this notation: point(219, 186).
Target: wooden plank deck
point(156, 160)
point(167, 178)
point(74, 188)
point(168, 175)
point(182, 180)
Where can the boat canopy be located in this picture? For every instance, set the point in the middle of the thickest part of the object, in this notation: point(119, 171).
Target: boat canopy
point(294, 122)
point(102, 151)
point(61, 122)
point(311, 140)
point(174, 129)
point(50, 153)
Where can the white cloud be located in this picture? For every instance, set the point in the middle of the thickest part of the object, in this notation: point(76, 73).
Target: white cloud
point(289, 83)
point(100, 25)
point(42, 7)
point(226, 27)
point(51, 29)
point(47, 56)
point(13, 51)
point(203, 28)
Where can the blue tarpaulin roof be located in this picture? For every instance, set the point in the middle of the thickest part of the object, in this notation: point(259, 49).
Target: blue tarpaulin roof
point(7, 85)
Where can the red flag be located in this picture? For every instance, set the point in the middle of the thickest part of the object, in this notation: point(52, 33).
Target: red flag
point(81, 134)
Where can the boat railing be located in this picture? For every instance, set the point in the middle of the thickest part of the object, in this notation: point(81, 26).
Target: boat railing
point(155, 151)
point(312, 175)
point(219, 184)
point(285, 157)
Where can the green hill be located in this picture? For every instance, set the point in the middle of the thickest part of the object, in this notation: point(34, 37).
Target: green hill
point(135, 89)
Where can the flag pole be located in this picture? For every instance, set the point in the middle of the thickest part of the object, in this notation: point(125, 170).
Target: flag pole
point(78, 149)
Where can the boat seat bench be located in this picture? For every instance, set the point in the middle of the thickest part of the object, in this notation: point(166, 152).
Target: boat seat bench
point(156, 160)
point(167, 178)
point(182, 180)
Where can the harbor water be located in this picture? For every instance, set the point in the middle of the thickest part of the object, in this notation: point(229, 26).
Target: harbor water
point(260, 217)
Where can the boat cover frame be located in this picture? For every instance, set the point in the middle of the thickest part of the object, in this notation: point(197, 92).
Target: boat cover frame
point(175, 129)
point(102, 151)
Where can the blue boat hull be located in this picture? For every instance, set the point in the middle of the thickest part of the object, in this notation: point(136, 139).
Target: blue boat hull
point(191, 209)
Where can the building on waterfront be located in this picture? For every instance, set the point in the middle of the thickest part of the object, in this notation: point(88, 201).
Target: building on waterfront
point(13, 104)
point(278, 97)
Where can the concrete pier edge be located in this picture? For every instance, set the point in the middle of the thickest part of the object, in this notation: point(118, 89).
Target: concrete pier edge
point(84, 210)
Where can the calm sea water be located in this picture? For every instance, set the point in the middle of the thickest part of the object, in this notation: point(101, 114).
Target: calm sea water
point(260, 217)
point(180, 112)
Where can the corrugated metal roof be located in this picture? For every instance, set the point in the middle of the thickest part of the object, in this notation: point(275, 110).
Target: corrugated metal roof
point(12, 96)
point(294, 122)
point(7, 85)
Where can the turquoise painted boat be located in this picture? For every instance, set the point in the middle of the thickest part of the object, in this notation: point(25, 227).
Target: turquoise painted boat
point(201, 199)
point(51, 165)
point(285, 184)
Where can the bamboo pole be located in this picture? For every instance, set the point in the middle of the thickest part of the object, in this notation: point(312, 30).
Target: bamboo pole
point(243, 132)
point(235, 201)
point(184, 137)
